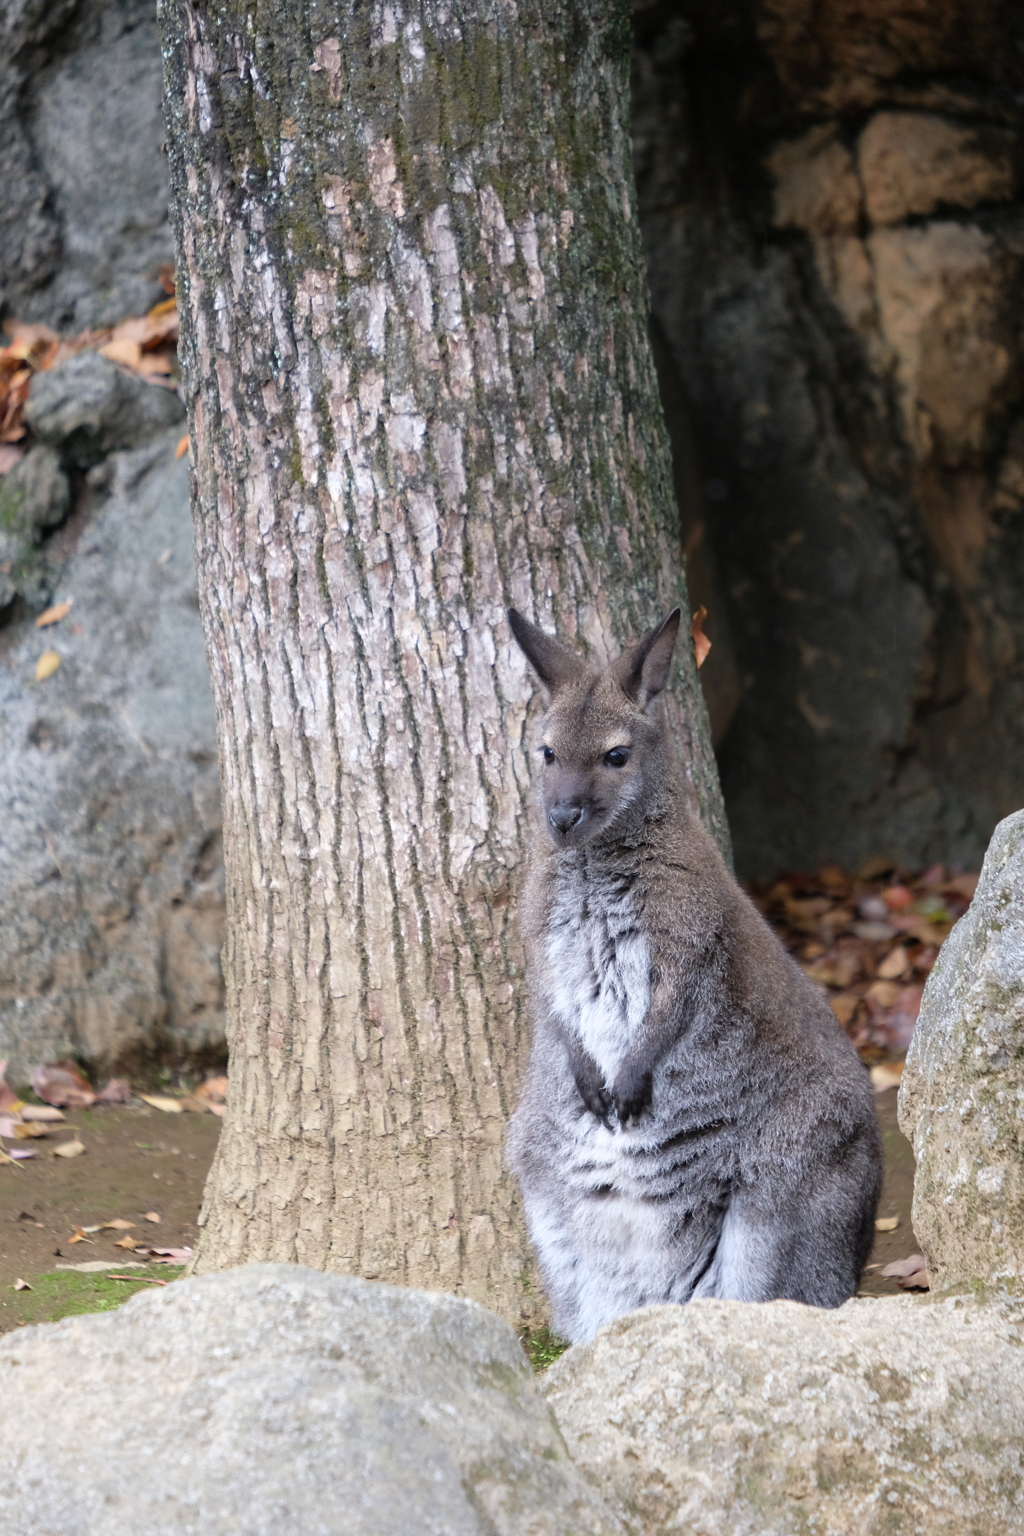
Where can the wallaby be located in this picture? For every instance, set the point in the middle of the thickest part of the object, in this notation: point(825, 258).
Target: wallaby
point(693, 1122)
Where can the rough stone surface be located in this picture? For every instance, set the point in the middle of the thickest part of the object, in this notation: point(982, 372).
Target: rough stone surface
point(728, 1419)
point(275, 1399)
point(834, 226)
point(915, 162)
point(83, 206)
point(111, 881)
point(962, 1094)
point(34, 496)
point(88, 407)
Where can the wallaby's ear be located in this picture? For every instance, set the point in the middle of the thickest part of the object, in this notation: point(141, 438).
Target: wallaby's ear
point(552, 661)
point(643, 671)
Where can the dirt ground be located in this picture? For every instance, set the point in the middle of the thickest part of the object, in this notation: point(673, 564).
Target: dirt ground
point(139, 1160)
point(897, 1196)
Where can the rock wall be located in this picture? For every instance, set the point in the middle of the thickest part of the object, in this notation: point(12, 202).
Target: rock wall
point(111, 878)
point(111, 874)
point(83, 206)
point(831, 198)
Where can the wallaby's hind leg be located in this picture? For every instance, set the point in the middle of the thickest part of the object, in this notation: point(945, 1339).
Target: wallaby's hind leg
point(811, 1248)
point(552, 1237)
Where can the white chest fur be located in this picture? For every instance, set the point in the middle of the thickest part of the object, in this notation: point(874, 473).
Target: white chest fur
point(598, 966)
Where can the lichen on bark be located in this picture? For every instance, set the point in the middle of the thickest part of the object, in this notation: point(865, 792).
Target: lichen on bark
point(420, 388)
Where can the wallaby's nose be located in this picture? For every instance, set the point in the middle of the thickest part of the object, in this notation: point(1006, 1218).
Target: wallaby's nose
point(565, 816)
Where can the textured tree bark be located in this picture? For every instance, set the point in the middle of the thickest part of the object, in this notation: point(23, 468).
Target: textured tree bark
point(420, 388)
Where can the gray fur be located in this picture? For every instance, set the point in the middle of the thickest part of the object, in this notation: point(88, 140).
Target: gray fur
point(693, 1122)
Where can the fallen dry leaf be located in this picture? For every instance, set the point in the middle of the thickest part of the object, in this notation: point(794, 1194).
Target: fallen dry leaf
point(844, 1006)
point(117, 1091)
point(887, 1223)
point(9, 1100)
point(153, 364)
point(169, 1106)
point(80, 1236)
point(215, 1089)
point(122, 350)
point(895, 963)
point(20, 1153)
point(53, 615)
point(182, 448)
point(22, 1285)
point(883, 993)
point(196, 1106)
point(701, 643)
point(117, 1225)
point(151, 1216)
point(125, 1242)
point(9, 1126)
point(910, 1274)
point(69, 1149)
point(47, 665)
point(29, 1130)
point(887, 1074)
point(44, 1112)
point(61, 1083)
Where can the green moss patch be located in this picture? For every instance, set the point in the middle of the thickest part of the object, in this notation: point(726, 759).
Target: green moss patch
point(66, 1293)
point(543, 1347)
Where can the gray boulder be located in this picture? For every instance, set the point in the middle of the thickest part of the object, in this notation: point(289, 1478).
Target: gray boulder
point(275, 1399)
point(88, 407)
point(729, 1419)
point(962, 1092)
point(111, 875)
point(34, 496)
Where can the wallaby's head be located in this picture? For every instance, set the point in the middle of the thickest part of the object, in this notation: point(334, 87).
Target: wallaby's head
point(602, 745)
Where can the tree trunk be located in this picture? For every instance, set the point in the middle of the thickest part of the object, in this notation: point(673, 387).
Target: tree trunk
point(420, 389)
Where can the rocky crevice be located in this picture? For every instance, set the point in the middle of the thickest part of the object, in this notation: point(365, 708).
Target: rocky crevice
point(834, 230)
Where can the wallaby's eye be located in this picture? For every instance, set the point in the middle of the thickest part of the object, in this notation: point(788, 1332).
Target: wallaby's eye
point(618, 757)
point(549, 755)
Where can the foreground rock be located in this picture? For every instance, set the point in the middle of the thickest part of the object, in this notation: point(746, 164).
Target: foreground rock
point(963, 1087)
point(275, 1399)
point(111, 880)
point(726, 1419)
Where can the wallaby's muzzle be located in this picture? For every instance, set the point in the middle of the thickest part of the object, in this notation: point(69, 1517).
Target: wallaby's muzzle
point(565, 817)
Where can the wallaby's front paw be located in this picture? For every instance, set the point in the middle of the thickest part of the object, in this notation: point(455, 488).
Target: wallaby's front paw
point(592, 1090)
point(599, 1102)
point(632, 1093)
